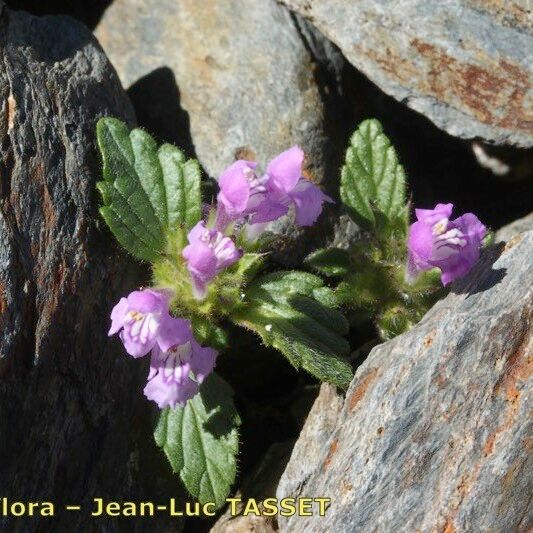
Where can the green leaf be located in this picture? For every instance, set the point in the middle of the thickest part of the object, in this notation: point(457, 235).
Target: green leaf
point(282, 309)
point(372, 179)
point(201, 441)
point(182, 183)
point(145, 191)
point(330, 262)
point(249, 264)
point(327, 297)
point(127, 208)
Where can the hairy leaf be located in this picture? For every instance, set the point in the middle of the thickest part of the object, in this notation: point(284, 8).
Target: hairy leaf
point(282, 309)
point(145, 191)
point(372, 179)
point(201, 441)
point(330, 261)
point(182, 182)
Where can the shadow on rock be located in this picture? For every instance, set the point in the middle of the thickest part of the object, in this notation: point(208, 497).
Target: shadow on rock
point(479, 280)
point(156, 99)
point(89, 13)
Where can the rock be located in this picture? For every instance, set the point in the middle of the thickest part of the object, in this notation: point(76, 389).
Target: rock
point(512, 230)
point(242, 74)
point(435, 431)
point(464, 64)
point(72, 420)
point(319, 425)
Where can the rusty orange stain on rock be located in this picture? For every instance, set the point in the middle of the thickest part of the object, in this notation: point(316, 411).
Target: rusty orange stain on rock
point(519, 364)
point(346, 487)
point(515, 470)
point(331, 452)
point(518, 367)
point(49, 211)
point(507, 12)
point(245, 152)
point(428, 339)
point(448, 526)
point(488, 448)
point(493, 92)
point(362, 386)
point(513, 242)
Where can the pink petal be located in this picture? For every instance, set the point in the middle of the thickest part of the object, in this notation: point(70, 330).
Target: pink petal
point(268, 211)
point(308, 200)
point(174, 332)
point(118, 315)
point(432, 216)
point(286, 169)
point(420, 244)
point(235, 187)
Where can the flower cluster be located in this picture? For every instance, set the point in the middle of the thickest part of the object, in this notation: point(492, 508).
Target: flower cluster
point(435, 241)
point(252, 201)
point(178, 363)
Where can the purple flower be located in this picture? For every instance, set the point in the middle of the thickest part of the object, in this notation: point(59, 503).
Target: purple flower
point(240, 189)
point(243, 193)
point(176, 373)
point(451, 245)
point(209, 252)
point(285, 186)
point(142, 320)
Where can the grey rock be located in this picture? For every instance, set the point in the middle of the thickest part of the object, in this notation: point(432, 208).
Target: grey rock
point(244, 75)
point(315, 435)
point(435, 431)
point(515, 228)
point(72, 421)
point(260, 485)
point(465, 64)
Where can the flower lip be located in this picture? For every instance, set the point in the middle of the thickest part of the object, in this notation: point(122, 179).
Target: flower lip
point(138, 320)
point(437, 241)
point(176, 374)
point(243, 194)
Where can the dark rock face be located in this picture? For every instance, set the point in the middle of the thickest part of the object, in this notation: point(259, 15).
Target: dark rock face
point(71, 416)
point(435, 431)
point(464, 64)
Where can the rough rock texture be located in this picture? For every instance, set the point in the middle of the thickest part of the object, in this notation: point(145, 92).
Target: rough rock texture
point(518, 226)
point(244, 75)
point(72, 420)
point(465, 64)
point(319, 425)
point(435, 431)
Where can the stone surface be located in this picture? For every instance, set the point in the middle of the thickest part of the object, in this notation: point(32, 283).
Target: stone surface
point(435, 431)
point(319, 425)
point(465, 64)
point(73, 424)
point(518, 226)
point(242, 73)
